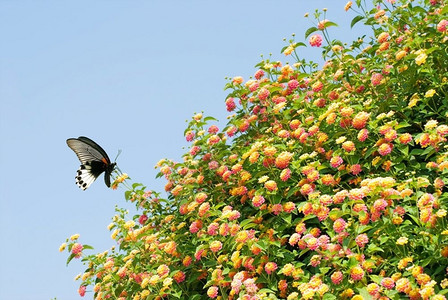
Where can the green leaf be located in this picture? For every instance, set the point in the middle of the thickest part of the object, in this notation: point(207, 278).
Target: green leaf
point(310, 31)
point(356, 20)
point(329, 24)
point(69, 259)
point(287, 218)
point(206, 119)
point(328, 296)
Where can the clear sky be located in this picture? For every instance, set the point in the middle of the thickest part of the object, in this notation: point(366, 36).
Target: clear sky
point(126, 74)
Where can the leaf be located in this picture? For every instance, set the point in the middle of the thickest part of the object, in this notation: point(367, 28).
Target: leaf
point(328, 296)
point(69, 259)
point(356, 20)
point(329, 24)
point(310, 31)
point(287, 218)
point(210, 118)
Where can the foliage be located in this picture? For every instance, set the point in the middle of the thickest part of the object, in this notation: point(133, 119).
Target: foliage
point(327, 182)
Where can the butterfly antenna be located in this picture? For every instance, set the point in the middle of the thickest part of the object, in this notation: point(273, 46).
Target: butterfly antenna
point(118, 154)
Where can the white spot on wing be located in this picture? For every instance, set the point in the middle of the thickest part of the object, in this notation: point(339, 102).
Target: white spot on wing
point(84, 178)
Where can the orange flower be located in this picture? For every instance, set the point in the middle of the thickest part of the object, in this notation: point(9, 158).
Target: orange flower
point(270, 185)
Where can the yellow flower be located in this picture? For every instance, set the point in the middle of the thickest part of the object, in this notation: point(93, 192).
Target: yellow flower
point(400, 54)
point(413, 101)
point(430, 93)
point(154, 279)
point(114, 234)
point(167, 281)
point(340, 140)
point(129, 224)
point(441, 213)
point(348, 5)
point(263, 179)
point(74, 237)
point(402, 241)
point(144, 294)
point(62, 247)
point(431, 124)
point(288, 50)
point(421, 59)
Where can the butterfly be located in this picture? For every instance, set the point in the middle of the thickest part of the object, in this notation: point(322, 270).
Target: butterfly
point(94, 161)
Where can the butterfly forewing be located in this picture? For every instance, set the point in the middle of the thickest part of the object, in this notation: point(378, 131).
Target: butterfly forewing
point(94, 161)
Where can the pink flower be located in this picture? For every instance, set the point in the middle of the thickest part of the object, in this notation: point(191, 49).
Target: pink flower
point(285, 174)
point(270, 185)
point(231, 131)
point(388, 283)
point(195, 226)
point(289, 207)
point(361, 240)
point(383, 37)
point(214, 139)
point(203, 209)
point(336, 161)
point(360, 120)
point(363, 134)
point(189, 136)
point(212, 229)
point(200, 197)
point(259, 74)
point(270, 267)
point(263, 94)
point(213, 165)
point(306, 189)
point(77, 250)
point(195, 150)
point(356, 169)
point(293, 84)
point(337, 277)
point(179, 276)
point(213, 129)
point(276, 209)
point(315, 40)
point(317, 86)
point(294, 238)
point(283, 159)
point(339, 225)
point(442, 26)
point(215, 246)
point(356, 194)
point(357, 273)
point(257, 200)
point(230, 104)
point(82, 290)
point(385, 149)
point(212, 292)
point(348, 146)
point(142, 219)
point(376, 78)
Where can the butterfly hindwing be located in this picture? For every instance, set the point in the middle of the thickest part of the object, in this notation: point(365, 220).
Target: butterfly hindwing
point(94, 161)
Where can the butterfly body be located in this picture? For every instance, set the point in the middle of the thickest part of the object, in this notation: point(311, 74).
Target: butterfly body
point(94, 161)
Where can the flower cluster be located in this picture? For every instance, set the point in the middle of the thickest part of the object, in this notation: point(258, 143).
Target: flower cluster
point(326, 182)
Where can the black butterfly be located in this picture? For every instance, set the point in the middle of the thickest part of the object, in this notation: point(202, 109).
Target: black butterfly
point(94, 161)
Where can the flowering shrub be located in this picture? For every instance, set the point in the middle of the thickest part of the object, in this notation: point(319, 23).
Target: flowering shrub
point(326, 183)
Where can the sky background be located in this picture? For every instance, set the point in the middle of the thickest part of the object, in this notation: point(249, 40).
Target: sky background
point(127, 74)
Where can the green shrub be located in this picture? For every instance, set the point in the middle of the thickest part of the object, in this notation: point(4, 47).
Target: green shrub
point(326, 183)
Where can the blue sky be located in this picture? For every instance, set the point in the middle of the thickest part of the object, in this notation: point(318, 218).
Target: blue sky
point(126, 74)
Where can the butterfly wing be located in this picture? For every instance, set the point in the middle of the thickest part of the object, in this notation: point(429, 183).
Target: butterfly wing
point(94, 161)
